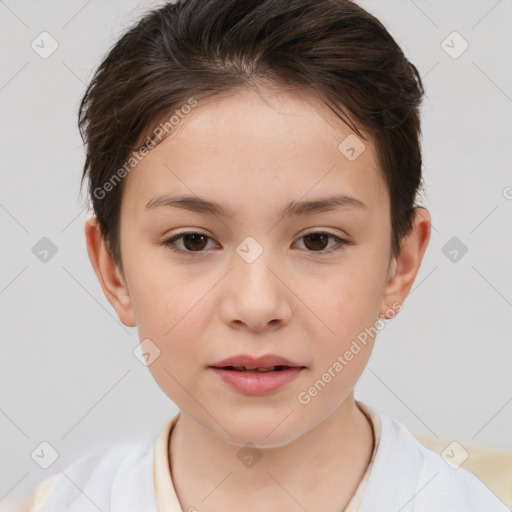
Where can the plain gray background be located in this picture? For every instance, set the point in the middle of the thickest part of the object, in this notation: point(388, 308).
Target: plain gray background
point(68, 373)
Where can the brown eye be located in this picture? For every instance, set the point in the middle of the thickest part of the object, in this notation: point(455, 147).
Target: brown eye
point(316, 241)
point(319, 241)
point(192, 242)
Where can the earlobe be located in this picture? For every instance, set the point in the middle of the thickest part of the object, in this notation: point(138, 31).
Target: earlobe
point(108, 273)
point(405, 266)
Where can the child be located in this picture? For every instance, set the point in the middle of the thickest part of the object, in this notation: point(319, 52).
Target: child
point(281, 137)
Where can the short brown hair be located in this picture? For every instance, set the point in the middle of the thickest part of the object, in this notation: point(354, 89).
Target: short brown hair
point(200, 48)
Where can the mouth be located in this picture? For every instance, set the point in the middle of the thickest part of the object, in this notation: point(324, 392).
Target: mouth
point(257, 375)
point(263, 363)
point(276, 368)
point(260, 380)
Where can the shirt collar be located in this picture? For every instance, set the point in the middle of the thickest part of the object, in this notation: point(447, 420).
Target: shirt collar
point(167, 499)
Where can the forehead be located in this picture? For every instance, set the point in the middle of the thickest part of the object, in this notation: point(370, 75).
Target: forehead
point(258, 145)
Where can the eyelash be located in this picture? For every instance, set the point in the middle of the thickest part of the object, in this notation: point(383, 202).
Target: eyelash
point(170, 242)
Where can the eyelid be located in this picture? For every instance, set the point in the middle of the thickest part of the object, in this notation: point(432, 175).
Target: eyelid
point(325, 231)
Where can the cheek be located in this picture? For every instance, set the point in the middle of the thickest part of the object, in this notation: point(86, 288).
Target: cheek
point(163, 295)
point(342, 302)
point(175, 324)
point(345, 310)
point(171, 308)
point(173, 319)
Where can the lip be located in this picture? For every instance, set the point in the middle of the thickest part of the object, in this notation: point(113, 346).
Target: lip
point(254, 383)
point(257, 383)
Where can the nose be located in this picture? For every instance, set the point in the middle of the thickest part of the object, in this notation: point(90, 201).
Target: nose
point(256, 295)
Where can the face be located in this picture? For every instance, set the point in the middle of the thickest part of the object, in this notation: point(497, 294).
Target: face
point(255, 275)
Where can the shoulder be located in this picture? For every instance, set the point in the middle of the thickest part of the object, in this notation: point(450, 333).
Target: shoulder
point(408, 476)
point(101, 480)
point(455, 487)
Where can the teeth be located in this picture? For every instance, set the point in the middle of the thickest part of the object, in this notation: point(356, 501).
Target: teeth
point(260, 370)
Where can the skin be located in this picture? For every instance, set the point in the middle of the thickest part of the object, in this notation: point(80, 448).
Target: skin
point(254, 153)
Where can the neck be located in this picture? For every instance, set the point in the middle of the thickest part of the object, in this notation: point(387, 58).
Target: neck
point(319, 470)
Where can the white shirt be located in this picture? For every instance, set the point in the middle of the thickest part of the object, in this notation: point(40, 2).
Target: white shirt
point(402, 476)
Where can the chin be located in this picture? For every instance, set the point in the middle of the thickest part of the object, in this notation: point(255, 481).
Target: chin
point(271, 430)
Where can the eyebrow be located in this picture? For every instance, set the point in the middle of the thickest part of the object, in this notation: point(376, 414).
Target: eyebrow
point(294, 208)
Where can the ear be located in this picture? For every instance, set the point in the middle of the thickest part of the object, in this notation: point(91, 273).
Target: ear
point(404, 267)
point(108, 273)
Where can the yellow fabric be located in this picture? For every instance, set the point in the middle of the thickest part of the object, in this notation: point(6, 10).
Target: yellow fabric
point(166, 498)
point(33, 501)
point(492, 466)
point(374, 419)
